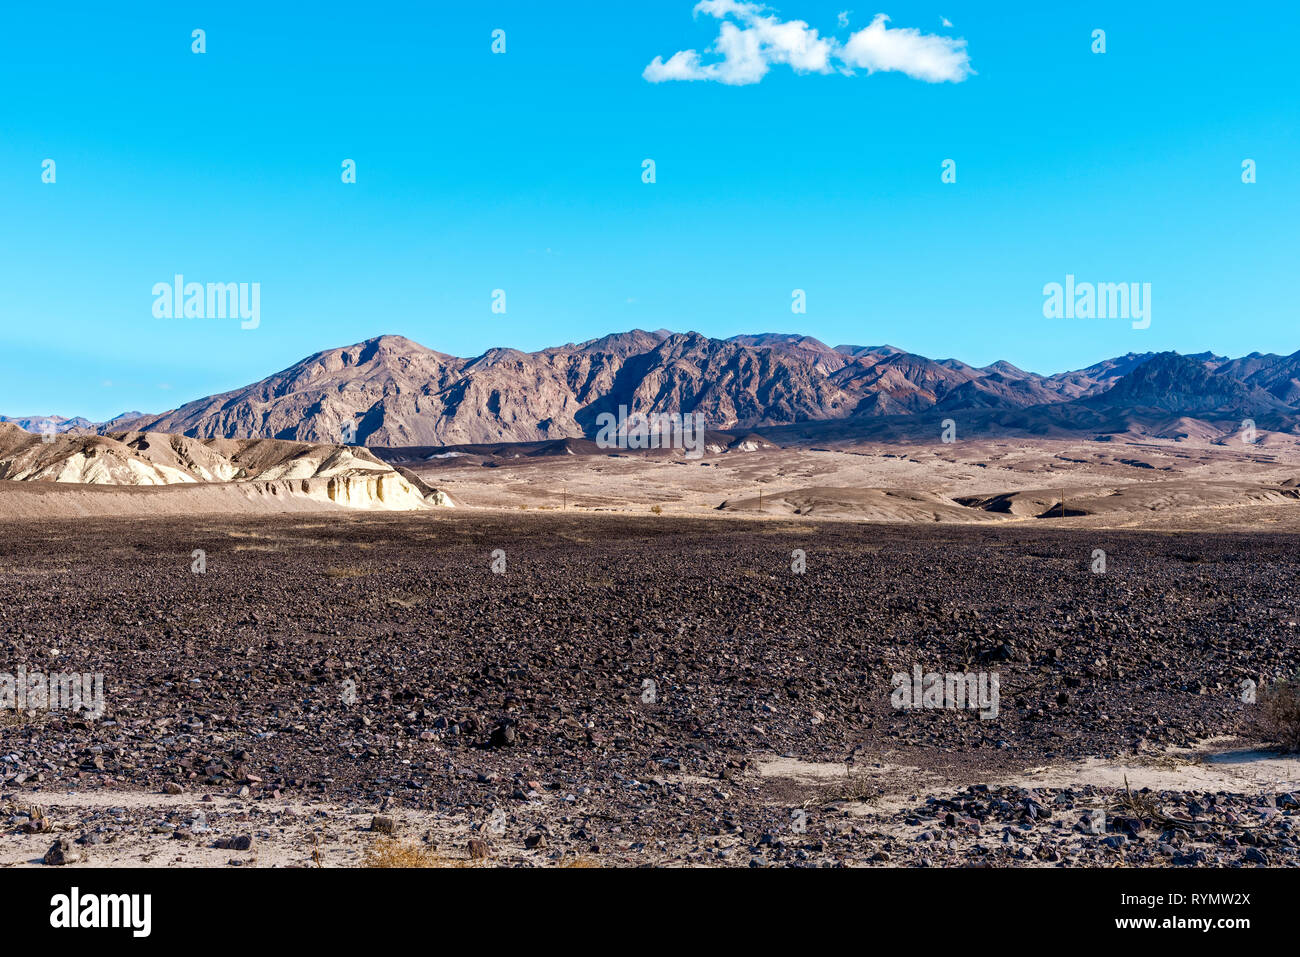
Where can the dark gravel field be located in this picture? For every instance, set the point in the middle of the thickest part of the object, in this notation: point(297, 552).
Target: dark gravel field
point(615, 693)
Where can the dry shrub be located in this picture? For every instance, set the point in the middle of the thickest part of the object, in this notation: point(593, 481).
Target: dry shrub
point(1279, 712)
point(386, 853)
point(346, 571)
point(852, 788)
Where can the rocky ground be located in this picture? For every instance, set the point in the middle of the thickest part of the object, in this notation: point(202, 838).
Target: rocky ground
point(641, 690)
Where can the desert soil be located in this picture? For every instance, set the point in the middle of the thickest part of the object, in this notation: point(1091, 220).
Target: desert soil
point(1128, 482)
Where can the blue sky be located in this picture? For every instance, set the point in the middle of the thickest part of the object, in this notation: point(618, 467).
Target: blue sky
point(522, 171)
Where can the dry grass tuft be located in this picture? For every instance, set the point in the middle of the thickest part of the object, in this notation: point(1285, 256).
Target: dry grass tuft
point(346, 571)
point(386, 853)
point(1279, 712)
point(851, 788)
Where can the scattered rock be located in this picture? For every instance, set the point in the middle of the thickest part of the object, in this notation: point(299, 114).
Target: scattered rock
point(62, 852)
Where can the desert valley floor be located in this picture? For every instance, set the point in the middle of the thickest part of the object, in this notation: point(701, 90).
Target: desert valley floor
point(1185, 482)
point(646, 689)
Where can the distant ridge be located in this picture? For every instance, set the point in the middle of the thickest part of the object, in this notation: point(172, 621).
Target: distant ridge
point(392, 392)
point(57, 424)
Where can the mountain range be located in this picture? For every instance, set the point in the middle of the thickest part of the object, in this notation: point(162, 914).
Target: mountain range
point(57, 424)
point(392, 392)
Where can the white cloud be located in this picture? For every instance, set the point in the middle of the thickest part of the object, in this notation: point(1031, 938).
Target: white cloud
point(682, 65)
point(944, 21)
point(922, 56)
point(747, 47)
point(750, 41)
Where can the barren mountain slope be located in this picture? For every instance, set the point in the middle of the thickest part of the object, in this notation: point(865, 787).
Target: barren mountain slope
point(391, 392)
